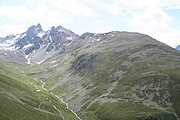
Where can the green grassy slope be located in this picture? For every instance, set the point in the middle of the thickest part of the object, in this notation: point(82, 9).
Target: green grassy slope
point(135, 63)
point(123, 76)
point(19, 100)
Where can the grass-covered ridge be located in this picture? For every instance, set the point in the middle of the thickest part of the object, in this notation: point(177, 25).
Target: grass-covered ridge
point(123, 76)
point(130, 67)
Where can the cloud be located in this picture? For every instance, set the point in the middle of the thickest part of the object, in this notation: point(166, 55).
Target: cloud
point(73, 7)
point(148, 17)
point(174, 4)
point(112, 7)
point(155, 22)
point(46, 12)
point(11, 29)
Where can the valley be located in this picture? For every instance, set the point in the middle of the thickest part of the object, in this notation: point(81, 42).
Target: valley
point(57, 74)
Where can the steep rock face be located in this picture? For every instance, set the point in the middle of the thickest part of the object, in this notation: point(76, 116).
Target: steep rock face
point(59, 37)
point(35, 37)
point(31, 38)
point(36, 41)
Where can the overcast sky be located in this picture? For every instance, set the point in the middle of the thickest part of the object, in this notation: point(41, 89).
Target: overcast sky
point(157, 18)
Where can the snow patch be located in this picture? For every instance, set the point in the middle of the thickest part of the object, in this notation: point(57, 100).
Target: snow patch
point(98, 39)
point(9, 48)
point(50, 39)
point(40, 62)
point(23, 35)
point(17, 36)
point(55, 65)
point(53, 61)
point(69, 38)
point(40, 34)
point(27, 46)
point(28, 59)
point(8, 44)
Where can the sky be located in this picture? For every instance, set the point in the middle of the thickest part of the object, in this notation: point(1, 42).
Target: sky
point(158, 18)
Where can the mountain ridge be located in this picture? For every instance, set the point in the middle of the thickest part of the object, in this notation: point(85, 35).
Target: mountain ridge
point(35, 37)
point(114, 75)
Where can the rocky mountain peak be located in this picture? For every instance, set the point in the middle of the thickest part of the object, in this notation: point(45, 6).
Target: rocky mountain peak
point(60, 33)
point(38, 27)
point(60, 29)
point(10, 37)
point(53, 29)
point(33, 30)
point(35, 39)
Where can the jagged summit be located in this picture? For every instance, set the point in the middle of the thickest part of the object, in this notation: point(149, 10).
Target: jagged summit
point(46, 43)
point(39, 27)
point(37, 41)
point(35, 38)
point(34, 29)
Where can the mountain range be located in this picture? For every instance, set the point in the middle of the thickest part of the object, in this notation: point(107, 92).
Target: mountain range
point(58, 74)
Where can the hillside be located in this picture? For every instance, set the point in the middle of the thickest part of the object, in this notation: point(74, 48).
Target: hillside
point(108, 76)
point(129, 70)
point(24, 98)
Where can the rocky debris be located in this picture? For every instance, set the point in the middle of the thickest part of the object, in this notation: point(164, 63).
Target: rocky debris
point(155, 94)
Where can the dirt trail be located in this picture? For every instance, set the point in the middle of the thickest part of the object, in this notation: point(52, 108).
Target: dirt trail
point(60, 98)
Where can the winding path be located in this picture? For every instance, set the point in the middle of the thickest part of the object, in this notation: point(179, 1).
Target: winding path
point(60, 98)
point(58, 110)
point(67, 106)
